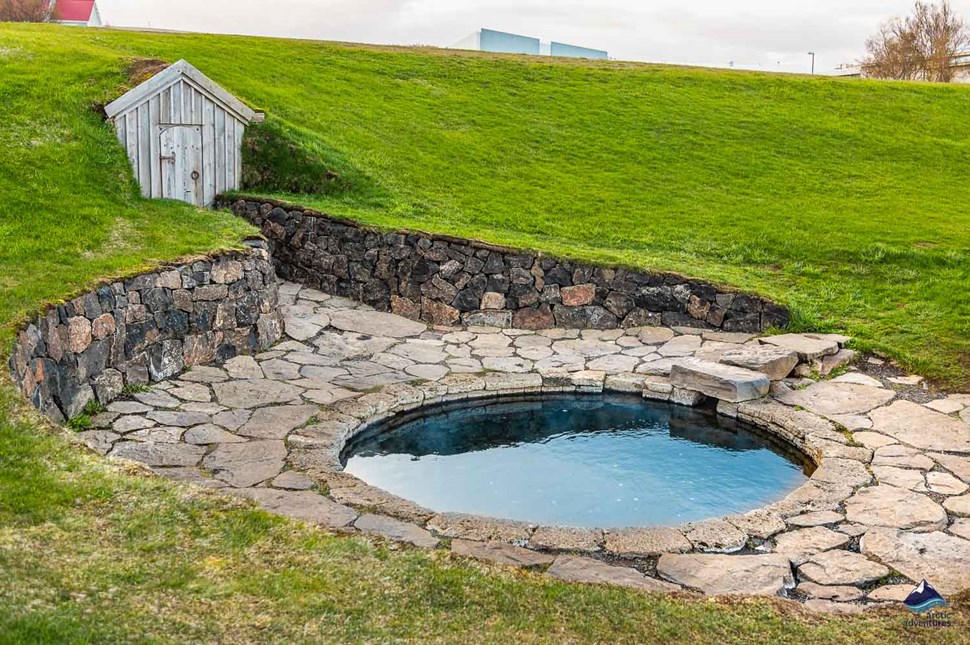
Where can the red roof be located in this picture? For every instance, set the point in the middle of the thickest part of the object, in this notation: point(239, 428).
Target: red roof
point(73, 10)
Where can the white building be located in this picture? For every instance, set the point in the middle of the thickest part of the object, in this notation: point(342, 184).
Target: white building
point(80, 13)
point(960, 65)
point(845, 71)
point(961, 68)
point(500, 42)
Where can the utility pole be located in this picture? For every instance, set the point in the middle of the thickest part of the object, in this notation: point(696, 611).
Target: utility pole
point(812, 54)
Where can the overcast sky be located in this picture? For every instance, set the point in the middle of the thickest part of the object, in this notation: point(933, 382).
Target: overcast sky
point(757, 34)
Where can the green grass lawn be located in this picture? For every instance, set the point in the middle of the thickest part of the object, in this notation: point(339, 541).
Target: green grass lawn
point(846, 200)
point(92, 553)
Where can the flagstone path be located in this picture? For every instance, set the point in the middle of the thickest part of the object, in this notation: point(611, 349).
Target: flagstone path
point(888, 505)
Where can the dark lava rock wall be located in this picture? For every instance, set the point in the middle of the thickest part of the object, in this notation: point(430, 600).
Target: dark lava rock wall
point(446, 281)
point(146, 329)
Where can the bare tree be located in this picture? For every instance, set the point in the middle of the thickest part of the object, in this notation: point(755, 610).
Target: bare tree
point(25, 10)
point(920, 47)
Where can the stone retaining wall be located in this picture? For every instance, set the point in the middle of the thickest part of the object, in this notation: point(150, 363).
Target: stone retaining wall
point(445, 280)
point(146, 329)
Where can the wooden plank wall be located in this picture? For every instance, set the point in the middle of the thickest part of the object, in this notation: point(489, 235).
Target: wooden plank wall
point(182, 103)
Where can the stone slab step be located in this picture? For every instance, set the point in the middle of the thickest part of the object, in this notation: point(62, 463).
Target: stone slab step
point(500, 553)
point(573, 568)
point(838, 568)
point(808, 348)
point(305, 505)
point(394, 529)
point(935, 556)
point(376, 323)
point(724, 382)
point(835, 338)
point(776, 362)
point(720, 575)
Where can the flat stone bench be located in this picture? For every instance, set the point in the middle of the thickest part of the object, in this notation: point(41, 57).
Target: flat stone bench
point(723, 382)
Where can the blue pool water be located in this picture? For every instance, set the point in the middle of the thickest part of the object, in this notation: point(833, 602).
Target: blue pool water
point(575, 460)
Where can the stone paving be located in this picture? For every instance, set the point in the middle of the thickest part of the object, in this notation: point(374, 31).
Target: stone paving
point(887, 506)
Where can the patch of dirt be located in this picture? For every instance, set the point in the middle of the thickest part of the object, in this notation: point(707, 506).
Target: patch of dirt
point(883, 370)
point(141, 69)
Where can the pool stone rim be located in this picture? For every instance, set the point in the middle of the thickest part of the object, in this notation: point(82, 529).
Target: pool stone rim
point(849, 541)
point(811, 435)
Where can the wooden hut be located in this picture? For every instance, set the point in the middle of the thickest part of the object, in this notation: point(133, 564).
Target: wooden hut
point(183, 134)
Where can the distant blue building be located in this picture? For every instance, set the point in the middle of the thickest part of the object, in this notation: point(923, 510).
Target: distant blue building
point(488, 40)
point(574, 51)
point(500, 42)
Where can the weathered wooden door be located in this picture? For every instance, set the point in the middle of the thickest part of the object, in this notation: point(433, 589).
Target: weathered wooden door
point(180, 151)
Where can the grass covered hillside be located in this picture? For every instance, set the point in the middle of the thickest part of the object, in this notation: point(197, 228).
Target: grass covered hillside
point(845, 199)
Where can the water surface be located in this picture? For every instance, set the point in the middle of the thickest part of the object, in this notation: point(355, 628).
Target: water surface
point(577, 460)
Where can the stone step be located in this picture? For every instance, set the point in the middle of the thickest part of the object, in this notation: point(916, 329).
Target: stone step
point(500, 553)
point(934, 556)
point(396, 530)
point(724, 382)
point(587, 570)
point(835, 338)
point(808, 348)
point(776, 362)
point(722, 575)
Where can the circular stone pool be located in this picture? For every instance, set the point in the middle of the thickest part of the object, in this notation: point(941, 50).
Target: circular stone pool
point(577, 460)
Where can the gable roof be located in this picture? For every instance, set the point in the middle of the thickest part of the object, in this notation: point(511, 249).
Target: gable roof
point(173, 74)
point(73, 10)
